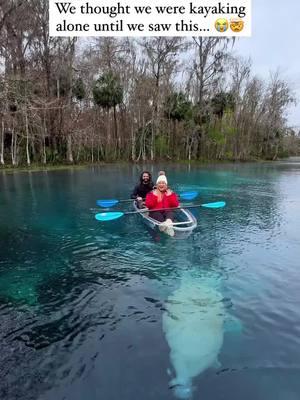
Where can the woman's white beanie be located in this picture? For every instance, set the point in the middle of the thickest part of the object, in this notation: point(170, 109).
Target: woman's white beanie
point(162, 178)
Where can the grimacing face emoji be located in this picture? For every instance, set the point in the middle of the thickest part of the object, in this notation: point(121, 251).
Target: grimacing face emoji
point(221, 25)
point(236, 24)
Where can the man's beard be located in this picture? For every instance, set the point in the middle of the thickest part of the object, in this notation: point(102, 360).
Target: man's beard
point(146, 181)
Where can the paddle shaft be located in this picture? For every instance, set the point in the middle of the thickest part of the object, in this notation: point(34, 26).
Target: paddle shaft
point(183, 195)
point(162, 209)
point(109, 216)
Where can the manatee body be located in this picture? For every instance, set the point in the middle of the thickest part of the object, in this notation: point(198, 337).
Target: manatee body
point(193, 326)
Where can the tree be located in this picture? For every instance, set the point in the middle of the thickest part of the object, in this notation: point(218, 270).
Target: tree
point(206, 73)
point(162, 55)
point(108, 93)
point(78, 89)
point(177, 109)
point(222, 101)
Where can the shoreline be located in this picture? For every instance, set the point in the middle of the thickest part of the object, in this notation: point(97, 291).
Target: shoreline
point(59, 167)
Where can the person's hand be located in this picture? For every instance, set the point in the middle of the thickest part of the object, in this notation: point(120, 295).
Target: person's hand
point(139, 198)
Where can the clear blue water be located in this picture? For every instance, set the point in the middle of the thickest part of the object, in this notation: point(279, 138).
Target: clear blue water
point(93, 310)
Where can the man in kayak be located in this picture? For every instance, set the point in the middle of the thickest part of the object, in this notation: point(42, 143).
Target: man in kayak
point(142, 188)
point(162, 197)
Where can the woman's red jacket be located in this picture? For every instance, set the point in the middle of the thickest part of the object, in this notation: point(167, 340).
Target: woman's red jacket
point(168, 201)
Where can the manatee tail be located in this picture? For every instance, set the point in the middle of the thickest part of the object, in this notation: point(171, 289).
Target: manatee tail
point(183, 391)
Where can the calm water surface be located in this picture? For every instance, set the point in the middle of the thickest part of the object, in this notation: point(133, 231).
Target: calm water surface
point(93, 310)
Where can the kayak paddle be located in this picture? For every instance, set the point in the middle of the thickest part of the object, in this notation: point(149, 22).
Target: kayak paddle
point(106, 203)
point(111, 215)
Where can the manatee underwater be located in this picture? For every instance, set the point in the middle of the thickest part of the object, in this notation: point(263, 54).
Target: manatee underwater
point(193, 323)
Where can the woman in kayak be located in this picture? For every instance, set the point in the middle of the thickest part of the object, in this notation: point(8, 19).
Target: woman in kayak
point(159, 198)
point(142, 188)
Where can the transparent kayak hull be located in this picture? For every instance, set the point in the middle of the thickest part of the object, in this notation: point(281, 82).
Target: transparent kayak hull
point(184, 218)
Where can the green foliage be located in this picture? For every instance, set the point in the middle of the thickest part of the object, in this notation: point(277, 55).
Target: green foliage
point(230, 131)
point(283, 153)
point(177, 107)
point(78, 89)
point(107, 91)
point(216, 136)
point(229, 155)
point(201, 115)
point(221, 102)
point(161, 145)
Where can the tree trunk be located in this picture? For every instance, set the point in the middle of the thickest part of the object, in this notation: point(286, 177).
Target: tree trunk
point(13, 147)
point(2, 144)
point(108, 149)
point(117, 139)
point(69, 149)
point(92, 151)
point(133, 149)
point(27, 139)
point(153, 128)
point(44, 155)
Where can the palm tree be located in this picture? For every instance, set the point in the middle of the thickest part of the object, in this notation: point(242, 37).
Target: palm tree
point(108, 93)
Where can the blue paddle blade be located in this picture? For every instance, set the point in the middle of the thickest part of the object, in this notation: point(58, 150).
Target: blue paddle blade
point(107, 203)
point(109, 216)
point(188, 195)
point(217, 204)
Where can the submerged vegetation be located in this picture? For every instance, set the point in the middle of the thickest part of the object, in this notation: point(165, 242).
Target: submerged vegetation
point(106, 99)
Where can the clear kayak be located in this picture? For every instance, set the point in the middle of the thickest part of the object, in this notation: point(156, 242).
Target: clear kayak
point(184, 222)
